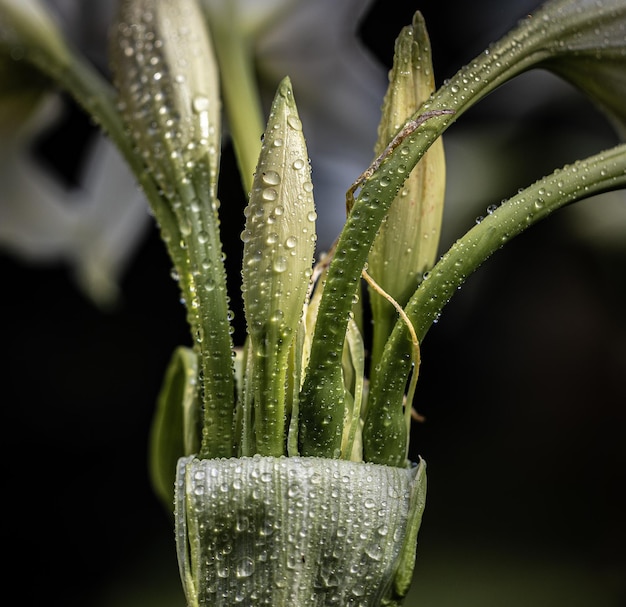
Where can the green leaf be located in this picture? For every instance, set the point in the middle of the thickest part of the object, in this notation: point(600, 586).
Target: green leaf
point(279, 241)
point(176, 428)
point(600, 173)
point(579, 40)
point(535, 42)
point(354, 376)
point(166, 75)
point(322, 394)
point(406, 563)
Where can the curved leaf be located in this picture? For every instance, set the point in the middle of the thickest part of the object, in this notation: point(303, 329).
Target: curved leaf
point(176, 427)
point(533, 43)
point(597, 174)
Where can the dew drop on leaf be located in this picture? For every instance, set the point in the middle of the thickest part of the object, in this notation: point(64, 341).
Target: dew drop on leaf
point(269, 194)
point(245, 567)
point(271, 178)
point(294, 122)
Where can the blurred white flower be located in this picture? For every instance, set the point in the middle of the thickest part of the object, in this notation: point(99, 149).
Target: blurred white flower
point(96, 227)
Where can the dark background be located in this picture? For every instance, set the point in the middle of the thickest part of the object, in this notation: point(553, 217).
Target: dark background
point(522, 385)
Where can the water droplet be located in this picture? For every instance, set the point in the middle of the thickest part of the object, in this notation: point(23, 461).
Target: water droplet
point(277, 316)
point(294, 122)
point(200, 103)
point(271, 178)
point(291, 242)
point(358, 589)
point(285, 90)
point(267, 527)
point(298, 164)
point(222, 571)
point(245, 567)
point(280, 264)
point(269, 194)
point(375, 552)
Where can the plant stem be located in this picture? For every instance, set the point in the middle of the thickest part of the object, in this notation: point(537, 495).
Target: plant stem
point(241, 94)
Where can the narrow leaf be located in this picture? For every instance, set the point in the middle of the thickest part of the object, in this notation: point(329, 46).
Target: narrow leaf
point(354, 377)
point(279, 241)
point(600, 173)
point(176, 427)
point(406, 563)
point(533, 43)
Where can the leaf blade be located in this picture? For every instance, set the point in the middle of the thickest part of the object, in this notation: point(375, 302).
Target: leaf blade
point(279, 242)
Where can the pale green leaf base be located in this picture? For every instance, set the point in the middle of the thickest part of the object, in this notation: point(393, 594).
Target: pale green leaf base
point(296, 531)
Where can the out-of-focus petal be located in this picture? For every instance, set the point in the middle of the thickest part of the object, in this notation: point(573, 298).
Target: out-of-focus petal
point(587, 43)
point(28, 195)
point(253, 16)
point(110, 226)
point(95, 229)
point(29, 20)
point(86, 25)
